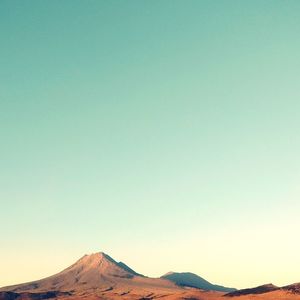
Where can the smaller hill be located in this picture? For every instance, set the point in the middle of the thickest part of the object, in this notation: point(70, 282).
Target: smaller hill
point(192, 280)
point(262, 289)
point(292, 288)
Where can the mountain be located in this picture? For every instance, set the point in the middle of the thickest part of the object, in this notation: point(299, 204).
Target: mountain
point(96, 275)
point(192, 280)
point(91, 272)
point(262, 289)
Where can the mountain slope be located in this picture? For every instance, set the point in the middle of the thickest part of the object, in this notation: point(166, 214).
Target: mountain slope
point(193, 280)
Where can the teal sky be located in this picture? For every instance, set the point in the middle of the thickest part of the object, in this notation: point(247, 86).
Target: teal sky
point(165, 133)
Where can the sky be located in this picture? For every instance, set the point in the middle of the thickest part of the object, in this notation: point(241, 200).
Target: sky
point(164, 133)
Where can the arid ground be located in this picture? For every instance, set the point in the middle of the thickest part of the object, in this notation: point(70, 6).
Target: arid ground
point(98, 276)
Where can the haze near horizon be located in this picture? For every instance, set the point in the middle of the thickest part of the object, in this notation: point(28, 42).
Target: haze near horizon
point(164, 133)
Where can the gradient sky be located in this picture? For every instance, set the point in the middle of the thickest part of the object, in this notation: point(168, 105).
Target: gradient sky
point(164, 133)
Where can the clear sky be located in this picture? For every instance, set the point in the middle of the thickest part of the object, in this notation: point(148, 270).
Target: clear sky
point(164, 133)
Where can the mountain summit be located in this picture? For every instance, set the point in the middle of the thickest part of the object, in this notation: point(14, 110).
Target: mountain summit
point(103, 264)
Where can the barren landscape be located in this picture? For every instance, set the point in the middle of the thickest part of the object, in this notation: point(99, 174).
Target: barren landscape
point(98, 276)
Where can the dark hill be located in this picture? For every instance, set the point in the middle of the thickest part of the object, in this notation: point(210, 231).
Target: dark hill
point(192, 280)
point(257, 290)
